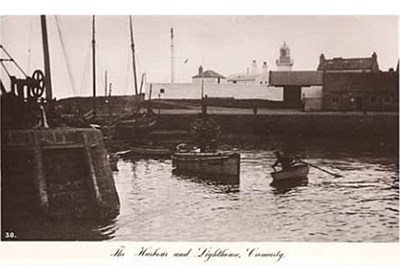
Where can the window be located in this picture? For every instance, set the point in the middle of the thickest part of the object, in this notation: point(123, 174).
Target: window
point(386, 99)
point(372, 99)
point(335, 99)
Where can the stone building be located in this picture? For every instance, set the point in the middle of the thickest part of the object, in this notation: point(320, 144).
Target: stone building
point(361, 91)
point(339, 64)
point(298, 86)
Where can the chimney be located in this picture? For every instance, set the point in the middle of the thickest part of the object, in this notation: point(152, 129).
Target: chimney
point(265, 68)
point(374, 56)
point(254, 67)
point(200, 69)
point(321, 58)
point(247, 71)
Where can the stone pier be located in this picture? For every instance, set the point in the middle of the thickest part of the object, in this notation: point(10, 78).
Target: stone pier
point(63, 173)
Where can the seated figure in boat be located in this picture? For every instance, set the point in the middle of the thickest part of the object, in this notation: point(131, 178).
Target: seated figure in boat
point(283, 160)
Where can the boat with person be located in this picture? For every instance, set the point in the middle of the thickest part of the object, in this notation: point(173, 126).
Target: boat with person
point(296, 171)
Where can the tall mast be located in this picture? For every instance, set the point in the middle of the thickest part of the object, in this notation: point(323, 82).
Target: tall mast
point(94, 65)
point(105, 84)
point(133, 56)
point(46, 55)
point(172, 56)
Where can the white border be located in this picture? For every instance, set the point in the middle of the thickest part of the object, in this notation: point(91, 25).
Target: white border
point(297, 253)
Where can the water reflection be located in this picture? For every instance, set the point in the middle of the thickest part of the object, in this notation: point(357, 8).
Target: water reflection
point(214, 183)
point(284, 186)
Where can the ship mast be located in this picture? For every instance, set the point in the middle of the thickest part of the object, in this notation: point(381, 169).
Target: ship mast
point(46, 55)
point(94, 66)
point(133, 56)
point(172, 56)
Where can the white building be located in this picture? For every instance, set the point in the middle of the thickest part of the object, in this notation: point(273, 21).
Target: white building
point(208, 77)
point(251, 76)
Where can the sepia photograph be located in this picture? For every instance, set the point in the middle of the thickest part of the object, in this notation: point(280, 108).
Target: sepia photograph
point(200, 128)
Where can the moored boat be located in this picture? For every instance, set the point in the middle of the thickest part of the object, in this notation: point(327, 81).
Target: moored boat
point(224, 163)
point(299, 170)
point(135, 125)
point(150, 151)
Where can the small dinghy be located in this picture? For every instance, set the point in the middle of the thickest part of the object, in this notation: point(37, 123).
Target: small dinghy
point(150, 151)
point(222, 163)
point(299, 170)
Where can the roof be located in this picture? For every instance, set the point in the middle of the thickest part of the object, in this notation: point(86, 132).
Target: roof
point(295, 78)
point(209, 74)
point(349, 64)
point(361, 81)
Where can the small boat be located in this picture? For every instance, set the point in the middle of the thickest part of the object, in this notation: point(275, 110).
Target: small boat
point(220, 163)
point(286, 185)
point(299, 170)
point(135, 125)
point(150, 150)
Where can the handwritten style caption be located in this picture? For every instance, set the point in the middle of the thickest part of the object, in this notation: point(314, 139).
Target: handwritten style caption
point(204, 253)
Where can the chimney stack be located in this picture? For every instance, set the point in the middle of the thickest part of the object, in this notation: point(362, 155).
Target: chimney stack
point(254, 67)
point(264, 67)
point(200, 69)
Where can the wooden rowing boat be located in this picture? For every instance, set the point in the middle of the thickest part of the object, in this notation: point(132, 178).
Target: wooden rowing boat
point(296, 171)
point(223, 163)
point(150, 151)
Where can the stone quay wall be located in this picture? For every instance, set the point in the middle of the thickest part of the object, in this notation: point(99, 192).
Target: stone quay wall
point(61, 172)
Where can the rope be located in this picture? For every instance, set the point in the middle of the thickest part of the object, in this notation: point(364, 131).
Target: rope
point(12, 60)
point(5, 68)
point(30, 44)
point(69, 69)
point(127, 72)
point(85, 80)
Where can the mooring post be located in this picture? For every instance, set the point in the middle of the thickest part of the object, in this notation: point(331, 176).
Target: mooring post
point(39, 174)
point(89, 159)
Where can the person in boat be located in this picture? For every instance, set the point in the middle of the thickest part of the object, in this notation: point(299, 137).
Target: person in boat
point(283, 160)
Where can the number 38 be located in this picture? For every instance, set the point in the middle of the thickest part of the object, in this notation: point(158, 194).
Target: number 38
point(10, 235)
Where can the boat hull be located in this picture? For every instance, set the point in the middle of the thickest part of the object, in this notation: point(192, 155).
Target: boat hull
point(297, 171)
point(133, 128)
point(224, 163)
point(148, 151)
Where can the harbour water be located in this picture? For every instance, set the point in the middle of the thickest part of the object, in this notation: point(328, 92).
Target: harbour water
point(156, 205)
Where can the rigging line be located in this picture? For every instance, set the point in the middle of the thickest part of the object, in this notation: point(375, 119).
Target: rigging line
point(30, 44)
point(85, 78)
point(5, 69)
point(69, 69)
point(127, 72)
point(12, 60)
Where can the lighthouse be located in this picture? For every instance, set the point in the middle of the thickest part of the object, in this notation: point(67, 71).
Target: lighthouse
point(284, 63)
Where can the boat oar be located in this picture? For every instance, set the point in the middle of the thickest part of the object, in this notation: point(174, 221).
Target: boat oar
point(326, 171)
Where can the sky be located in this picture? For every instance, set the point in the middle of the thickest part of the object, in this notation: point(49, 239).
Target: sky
point(226, 44)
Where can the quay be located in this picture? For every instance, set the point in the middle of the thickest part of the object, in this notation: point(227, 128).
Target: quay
point(60, 172)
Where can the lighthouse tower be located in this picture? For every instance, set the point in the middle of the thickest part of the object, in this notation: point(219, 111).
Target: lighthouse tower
point(284, 63)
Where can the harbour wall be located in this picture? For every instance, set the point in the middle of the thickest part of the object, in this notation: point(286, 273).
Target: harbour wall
point(63, 173)
point(340, 125)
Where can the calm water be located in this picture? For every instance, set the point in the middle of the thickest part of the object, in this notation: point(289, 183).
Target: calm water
point(157, 205)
